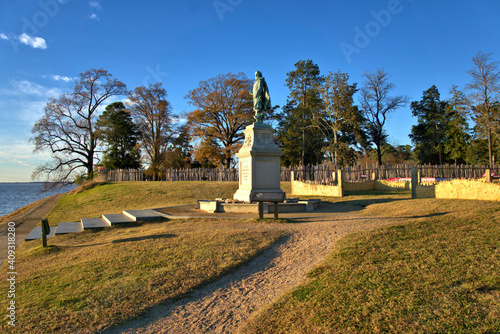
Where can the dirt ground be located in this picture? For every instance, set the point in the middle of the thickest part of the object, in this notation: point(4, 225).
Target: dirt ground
point(223, 306)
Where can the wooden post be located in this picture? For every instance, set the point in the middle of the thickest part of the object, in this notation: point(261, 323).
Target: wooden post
point(340, 182)
point(45, 231)
point(414, 182)
point(488, 175)
point(276, 210)
point(261, 210)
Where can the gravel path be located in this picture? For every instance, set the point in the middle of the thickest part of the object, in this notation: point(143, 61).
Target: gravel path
point(223, 306)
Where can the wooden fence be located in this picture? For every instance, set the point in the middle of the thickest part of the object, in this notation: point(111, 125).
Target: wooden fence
point(116, 175)
point(324, 173)
point(318, 173)
point(202, 174)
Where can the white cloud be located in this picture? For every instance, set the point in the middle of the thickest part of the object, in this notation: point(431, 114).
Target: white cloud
point(95, 4)
point(34, 42)
point(62, 78)
point(25, 87)
point(3, 36)
point(25, 101)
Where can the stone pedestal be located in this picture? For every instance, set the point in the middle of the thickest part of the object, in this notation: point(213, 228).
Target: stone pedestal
point(259, 165)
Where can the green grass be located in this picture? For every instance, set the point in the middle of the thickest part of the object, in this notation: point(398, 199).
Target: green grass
point(118, 196)
point(91, 280)
point(433, 275)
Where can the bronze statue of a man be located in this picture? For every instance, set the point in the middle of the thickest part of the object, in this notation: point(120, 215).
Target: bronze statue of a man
point(261, 98)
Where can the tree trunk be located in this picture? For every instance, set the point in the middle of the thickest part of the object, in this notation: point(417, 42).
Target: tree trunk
point(335, 140)
point(490, 147)
point(379, 154)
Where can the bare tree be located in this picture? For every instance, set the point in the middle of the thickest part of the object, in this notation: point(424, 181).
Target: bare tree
point(153, 116)
point(485, 97)
point(377, 105)
point(67, 128)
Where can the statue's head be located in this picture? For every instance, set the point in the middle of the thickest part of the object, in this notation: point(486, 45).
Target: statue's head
point(258, 74)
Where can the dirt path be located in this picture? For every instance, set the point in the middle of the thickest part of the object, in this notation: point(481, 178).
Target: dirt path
point(26, 219)
point(223, 306)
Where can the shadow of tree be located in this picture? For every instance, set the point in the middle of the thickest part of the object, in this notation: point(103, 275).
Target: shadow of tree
point(147, 237)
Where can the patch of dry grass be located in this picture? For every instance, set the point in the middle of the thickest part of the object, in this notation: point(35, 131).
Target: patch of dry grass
point(91, 280)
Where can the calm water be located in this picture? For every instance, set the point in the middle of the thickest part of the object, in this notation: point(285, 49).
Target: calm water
point(14, 196)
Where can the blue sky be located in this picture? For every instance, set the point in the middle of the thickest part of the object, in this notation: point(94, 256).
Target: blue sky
point(45, 44)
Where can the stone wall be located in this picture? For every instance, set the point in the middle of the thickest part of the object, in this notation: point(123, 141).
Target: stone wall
point(455, 189)
point(390, 185)
point(306, 189)
point(460, 189)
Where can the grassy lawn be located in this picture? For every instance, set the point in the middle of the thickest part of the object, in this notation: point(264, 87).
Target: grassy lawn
point(118, 196)
point(439, 274)
point(436, 272)
point(91, 280)
point(88, 281)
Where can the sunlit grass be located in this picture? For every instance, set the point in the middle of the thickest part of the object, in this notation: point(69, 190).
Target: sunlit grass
point(88, 281)
point(437, 275)
point(118, 196)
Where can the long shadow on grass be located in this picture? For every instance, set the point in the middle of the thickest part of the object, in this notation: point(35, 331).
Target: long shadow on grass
point(252, 266)
point(340, 219)
point(148, 237)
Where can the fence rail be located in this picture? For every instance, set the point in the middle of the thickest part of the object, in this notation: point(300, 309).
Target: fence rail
point(317, 173)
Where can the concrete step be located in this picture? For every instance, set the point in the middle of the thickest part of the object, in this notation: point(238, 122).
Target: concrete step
point(37, 233)
point(116, 219)
point(90, 223)
point(142, 215)
point(64, 228)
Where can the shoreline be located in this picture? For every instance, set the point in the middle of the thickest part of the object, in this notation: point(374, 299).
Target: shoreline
point(26, 219)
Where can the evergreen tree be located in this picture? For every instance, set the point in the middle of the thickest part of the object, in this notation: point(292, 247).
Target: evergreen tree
point(302, 142)
point(477, 152)
point(428, 136)
point(120, 135)
point(289, 137)
point(457, 129)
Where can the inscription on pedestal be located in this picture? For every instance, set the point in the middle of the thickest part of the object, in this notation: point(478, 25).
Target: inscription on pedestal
point(245, 173)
